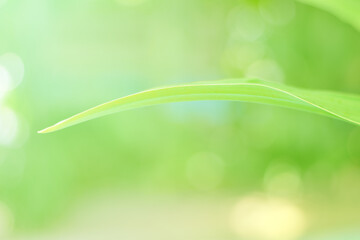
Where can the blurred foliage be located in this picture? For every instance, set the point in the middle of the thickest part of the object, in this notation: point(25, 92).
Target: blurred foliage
point(77, 54)
point(347, 10)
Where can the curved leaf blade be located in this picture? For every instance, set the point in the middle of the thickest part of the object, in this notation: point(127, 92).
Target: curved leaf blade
point(332, 104)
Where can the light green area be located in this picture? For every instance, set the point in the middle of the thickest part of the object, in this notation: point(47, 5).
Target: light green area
point(61, 57)
point(346, 10)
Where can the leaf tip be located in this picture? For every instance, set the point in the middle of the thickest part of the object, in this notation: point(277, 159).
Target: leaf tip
point(46, 130)
point(43, 131)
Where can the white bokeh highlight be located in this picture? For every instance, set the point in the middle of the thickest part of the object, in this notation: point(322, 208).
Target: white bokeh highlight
point(11, 71)
point(267, 218)
point(9, 126)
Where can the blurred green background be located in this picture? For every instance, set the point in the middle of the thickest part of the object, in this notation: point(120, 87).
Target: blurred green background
point(201, 170)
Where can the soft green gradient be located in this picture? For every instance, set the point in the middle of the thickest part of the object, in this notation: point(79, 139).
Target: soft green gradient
point(347, 10)
point(177, 170)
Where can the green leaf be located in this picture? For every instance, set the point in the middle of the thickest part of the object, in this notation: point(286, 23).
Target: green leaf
point(346, 10)
point(338, 105)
